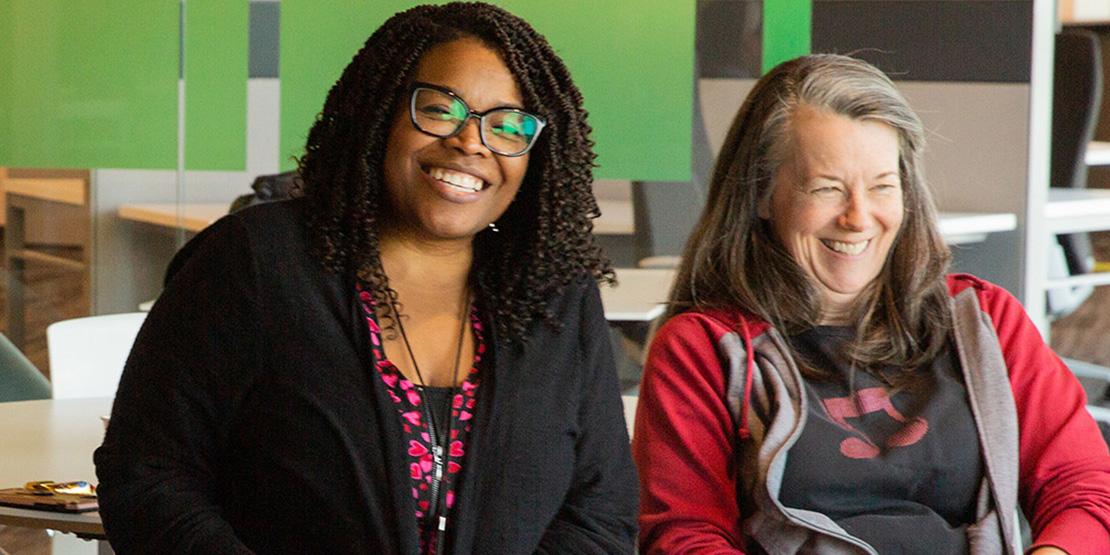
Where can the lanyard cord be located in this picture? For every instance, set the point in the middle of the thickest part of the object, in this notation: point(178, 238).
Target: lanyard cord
point(438, 507)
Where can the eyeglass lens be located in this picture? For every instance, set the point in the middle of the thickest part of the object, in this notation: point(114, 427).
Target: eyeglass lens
point(505, 131)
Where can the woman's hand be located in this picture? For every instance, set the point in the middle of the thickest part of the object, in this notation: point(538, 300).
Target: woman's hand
point(1047, 551)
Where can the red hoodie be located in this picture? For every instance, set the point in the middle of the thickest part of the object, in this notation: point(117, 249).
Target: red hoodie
point(684, 436)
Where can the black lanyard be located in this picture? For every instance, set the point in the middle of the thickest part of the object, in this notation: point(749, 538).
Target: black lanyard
point(438, 506)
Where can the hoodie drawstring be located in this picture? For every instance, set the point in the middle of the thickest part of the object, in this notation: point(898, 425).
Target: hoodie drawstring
point(749, 374)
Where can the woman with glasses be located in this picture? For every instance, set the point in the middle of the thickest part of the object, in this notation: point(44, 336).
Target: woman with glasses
point(412, 356)
point(820, 384)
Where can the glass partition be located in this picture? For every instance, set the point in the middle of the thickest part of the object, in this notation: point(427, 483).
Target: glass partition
point(127, 126)
point(88, 85)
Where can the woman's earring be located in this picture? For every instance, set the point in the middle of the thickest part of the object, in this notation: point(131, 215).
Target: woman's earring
point(493, 227)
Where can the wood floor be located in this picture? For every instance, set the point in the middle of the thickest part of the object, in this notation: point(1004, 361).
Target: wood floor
point(1085, 333)
point(24, 541)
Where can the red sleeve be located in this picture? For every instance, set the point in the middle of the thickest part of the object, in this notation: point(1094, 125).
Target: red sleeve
point(1064, 465)
point(683, 444)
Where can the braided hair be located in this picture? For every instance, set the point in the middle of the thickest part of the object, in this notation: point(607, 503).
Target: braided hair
point(546, 238)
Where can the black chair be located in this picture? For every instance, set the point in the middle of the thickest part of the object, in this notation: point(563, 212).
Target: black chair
point(1077, 95)
point(267, 188)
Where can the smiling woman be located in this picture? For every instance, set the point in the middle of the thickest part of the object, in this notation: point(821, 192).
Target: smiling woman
point(451, 185)
point(411, 357)
point(836, 204)
point(821, 386)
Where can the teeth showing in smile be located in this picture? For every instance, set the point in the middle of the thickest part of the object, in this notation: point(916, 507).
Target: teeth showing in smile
point(458, 180)
point(850, 249)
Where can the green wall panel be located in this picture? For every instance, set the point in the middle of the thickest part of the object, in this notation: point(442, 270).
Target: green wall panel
point(88, 84)
point(787, 30)
point(634, 66)
point(6, 137)
point(316, 44)
point(216, 42)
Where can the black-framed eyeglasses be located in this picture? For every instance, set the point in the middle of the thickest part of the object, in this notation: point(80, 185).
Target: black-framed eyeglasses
point(439, 112)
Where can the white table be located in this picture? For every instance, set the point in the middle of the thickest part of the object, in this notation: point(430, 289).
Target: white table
point(640, 293)
point(1077, 210)
point(51, 440)
point(957, 227)
point(960, 228)
point(616, 216)
point(1098, 153)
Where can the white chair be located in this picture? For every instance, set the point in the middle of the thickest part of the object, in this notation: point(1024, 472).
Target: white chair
point(87, 354)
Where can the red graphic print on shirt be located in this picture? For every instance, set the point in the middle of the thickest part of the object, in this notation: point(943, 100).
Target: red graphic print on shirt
point(868, 401)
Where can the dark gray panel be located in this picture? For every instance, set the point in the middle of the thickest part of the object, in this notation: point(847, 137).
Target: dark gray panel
point(264, 31)
point(729, 38)
point(620, 249)
point(665, 213)
point(669, 211)
point(931, 40)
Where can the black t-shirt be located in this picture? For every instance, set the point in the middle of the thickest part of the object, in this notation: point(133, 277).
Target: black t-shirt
point(898, 469)
point(438, 399)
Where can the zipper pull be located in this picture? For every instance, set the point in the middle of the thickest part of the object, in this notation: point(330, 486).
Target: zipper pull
point(437, 461)
point(442, 523)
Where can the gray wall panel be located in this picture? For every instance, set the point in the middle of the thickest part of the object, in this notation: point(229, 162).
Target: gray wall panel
point(264, 31)
point(977, 160)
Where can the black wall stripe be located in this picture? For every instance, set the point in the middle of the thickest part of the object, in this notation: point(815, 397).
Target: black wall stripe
point(931, 40)
point(918, 40)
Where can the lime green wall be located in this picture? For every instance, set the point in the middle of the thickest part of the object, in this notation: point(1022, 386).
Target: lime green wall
point(89, 83)
point(316, 44)
point(787, 30)
point(216, 43)
point(633, 65)
point(93, 84)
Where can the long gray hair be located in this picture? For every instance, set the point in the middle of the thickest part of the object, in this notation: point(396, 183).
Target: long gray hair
point(733, 258)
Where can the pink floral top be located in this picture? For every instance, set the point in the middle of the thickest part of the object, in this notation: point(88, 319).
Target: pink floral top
point(407, 399)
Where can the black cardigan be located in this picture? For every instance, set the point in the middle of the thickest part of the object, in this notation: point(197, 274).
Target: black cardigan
point(247, 419)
